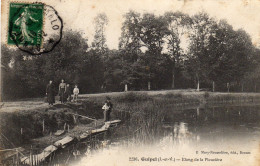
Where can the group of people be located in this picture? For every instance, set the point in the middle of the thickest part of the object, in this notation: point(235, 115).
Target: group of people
point(64, 92)
point(65, 95)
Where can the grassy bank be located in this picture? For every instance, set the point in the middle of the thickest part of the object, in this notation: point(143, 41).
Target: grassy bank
point(20, 127)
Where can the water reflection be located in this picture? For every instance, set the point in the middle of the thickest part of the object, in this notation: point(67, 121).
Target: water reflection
point(181, 133)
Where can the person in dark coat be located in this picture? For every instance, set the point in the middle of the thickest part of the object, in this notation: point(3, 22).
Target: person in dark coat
point(50, 93)
point(68, 93)
point(110, 106)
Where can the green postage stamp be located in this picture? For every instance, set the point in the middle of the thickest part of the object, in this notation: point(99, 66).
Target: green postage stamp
point(25, 24)
point(35, 28)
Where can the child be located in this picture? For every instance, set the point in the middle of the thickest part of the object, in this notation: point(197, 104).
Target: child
point(107, 109)
point(75, 93)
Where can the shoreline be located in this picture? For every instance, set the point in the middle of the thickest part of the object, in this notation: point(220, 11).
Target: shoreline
point(33, 123)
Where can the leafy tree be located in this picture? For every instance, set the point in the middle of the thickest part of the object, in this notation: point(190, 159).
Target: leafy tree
point(130, 43)
point(99, 43)
point(153, 31)
point(178, 23)
point(92, 72)
point(12, 86)
point(230, 53)
point(216, 54)
point(138, 32)
point(201, 31)
point(132, 70)
point(66, 60)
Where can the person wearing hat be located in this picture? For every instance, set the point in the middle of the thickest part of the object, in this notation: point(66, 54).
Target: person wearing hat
point(107, 109)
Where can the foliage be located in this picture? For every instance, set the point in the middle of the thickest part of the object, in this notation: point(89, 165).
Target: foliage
point(99, 42)
point(150, 52)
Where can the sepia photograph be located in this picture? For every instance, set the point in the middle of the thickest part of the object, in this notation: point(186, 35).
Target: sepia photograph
point(130, 83)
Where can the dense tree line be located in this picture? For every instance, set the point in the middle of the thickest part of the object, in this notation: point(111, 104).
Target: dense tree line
point(174, 50)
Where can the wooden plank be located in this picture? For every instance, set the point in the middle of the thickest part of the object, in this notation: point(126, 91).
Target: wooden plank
point(83, 116)
point(52, 148)
point(113, 122)
point(46, 152)
point(59, 132)
point(84, 135)
point(105, 126)
point(98, 130)
point(40, 157)
point(63, 141)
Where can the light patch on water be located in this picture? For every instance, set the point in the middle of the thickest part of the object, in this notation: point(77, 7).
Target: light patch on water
point(182, 147)
point(155, 156)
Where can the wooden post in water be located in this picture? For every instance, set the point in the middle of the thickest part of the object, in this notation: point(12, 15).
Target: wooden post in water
point(75, 120)
point(30, 159)
point(64, 128)
point(17, 157)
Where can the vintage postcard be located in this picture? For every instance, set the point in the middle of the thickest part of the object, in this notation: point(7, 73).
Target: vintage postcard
point(130, 83)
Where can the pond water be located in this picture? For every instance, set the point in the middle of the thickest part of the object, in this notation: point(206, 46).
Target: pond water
point(202, 136)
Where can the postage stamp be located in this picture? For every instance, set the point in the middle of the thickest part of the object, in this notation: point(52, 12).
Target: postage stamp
point(35, 28)
point(25, 24)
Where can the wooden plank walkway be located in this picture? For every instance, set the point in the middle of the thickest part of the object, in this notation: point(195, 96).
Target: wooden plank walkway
point(35, 160)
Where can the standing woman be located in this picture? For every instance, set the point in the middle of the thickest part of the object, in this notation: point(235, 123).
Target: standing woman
point(62, 90)
point(50, 93)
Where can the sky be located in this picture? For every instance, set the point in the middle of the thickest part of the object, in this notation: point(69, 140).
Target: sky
point(78, 15)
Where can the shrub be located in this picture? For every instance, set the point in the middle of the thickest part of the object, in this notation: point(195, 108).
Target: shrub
point(206, 95)
point(173, 95)
point(133, 97)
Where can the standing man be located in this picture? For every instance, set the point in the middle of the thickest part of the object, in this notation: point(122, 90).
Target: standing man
point(50, 93)
point(62, 90)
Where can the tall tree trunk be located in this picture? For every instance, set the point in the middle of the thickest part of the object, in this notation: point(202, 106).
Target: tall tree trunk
point(149, 85)
point(198, 81)
point(173, 73)
point(126, 89)
point(228, 87)
point(213, 86)
point(198, 86)
point(173, 79)
point(242, 87)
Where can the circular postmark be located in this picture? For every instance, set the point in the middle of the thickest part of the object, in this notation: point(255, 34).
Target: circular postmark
point(35, 28)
